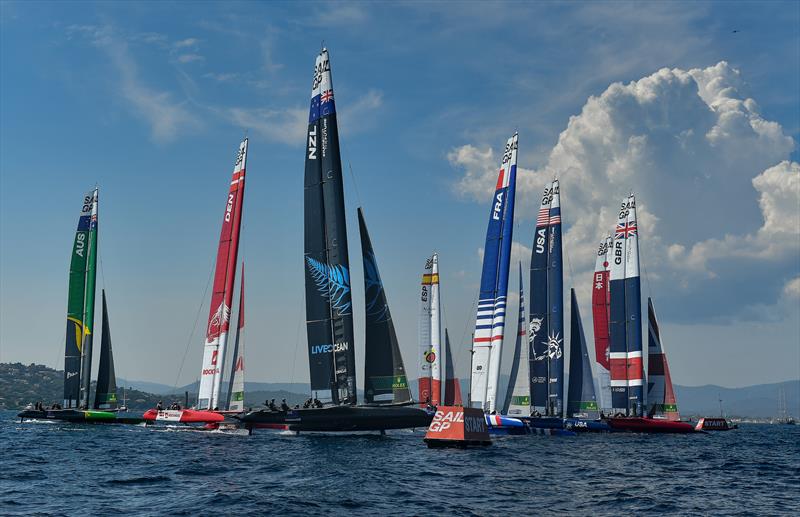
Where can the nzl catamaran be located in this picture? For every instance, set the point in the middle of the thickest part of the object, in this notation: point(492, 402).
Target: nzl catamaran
point(79, 336)
point(329, 309)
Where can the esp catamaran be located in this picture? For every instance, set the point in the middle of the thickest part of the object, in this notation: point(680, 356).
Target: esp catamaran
point(79, 335)
point(216, 339)
point(430, 375)
point(487, 341)
point(546, 324)
point(329, 309)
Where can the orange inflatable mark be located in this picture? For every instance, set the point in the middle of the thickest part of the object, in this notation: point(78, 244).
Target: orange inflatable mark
point(455, 426)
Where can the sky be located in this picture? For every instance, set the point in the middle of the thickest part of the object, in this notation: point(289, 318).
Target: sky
point(693, 106)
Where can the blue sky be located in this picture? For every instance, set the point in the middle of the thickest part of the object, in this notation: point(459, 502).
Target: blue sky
point(694, 106)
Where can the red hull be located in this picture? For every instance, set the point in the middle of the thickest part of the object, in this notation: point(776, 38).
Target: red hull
point(649, 425)
point(183, 416)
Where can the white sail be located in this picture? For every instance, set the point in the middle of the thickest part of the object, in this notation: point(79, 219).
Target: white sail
point(520, 401)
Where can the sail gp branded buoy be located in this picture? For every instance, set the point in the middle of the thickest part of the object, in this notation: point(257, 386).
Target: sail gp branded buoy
point(456, 426)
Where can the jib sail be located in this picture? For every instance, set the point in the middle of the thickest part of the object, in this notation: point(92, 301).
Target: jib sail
point(518, 394)
point(236, 379)
point(660, 393)
point(581, 399)
point(384, 373)
point(105, 396)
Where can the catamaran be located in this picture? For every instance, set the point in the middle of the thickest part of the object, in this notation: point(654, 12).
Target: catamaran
point(208, 400)
point(79, 335)
point(329, 310)
point(487, 341)
point(625, 332)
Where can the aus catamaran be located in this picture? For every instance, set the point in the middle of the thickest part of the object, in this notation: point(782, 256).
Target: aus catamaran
point(80, 335)
point(329, 308)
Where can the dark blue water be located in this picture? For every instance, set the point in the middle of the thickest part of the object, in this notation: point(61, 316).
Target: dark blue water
point(51, 468)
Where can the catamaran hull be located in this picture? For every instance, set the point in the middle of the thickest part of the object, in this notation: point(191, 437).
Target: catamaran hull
point(649, 425)
point(357, 418)
point(183, 416)
point(78, 416)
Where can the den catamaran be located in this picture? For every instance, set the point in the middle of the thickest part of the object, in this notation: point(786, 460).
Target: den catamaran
point(329, 309)
point(432, 355)
point(235, 402)
point(487, 341)
point(625, 331)
point(80, 335)
point(208, 399)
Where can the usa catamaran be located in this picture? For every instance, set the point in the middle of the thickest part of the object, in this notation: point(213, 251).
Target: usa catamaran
point(329, 310)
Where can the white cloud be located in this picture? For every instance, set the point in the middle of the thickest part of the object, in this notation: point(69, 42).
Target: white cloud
point(792, 288)
point(707, 169)
point(188, 58)
point(165, 116)
point(188, 42)
point(287, 126)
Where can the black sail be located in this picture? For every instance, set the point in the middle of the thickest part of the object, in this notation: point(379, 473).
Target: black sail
point(384, 373)
point(329, 314)
point(105, 396)
point(581, 400)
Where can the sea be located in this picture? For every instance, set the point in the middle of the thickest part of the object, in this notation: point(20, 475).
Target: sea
point(69, 469)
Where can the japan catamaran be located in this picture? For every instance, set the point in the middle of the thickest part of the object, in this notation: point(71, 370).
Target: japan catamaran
point(329, 309)
point(79, 336)
point(208, 399)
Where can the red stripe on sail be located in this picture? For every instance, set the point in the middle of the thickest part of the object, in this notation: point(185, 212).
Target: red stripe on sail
point(600, 317)
point(436, 392)
point(635, 369)
point(500, 179)
point(619, 369)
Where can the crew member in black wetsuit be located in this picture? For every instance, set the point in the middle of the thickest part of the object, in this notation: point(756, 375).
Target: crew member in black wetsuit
point(159, 406)
point(284, 405)
point(272, 406)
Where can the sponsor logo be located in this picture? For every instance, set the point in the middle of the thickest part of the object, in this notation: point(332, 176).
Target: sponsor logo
point(509, 150)
point(210, 371)
point(553, 350)
point(534, 327)
point(598, 280)
point(312, 143)
point(219, 319)
point(214, 355)
point(327, 349)
point(430, 356)
point(239, 156)
point(498, 206)
point(320, 69)
point(71, 375)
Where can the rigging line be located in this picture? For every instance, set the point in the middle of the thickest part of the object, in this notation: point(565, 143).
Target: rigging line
point(194, 326)
point(352, 174)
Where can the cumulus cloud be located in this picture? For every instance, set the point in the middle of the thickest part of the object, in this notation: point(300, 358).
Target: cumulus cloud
point(710, 173)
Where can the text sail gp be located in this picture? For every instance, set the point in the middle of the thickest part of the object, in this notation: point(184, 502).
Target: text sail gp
point(329, 315)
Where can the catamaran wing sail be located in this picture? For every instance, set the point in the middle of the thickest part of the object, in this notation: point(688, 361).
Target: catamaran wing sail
point(555, 294)
point(222, 295)
point(660, 393)
point(618, 352)
point(384, 372)
point(600, 316)
point(518, 398)
point(236, 379)
point(633, 313)
point(76, 314)
point(329, 315)
point(105, 396)
point(581, 399)
point(538, 326)
point(487, 342)
point(426, 356)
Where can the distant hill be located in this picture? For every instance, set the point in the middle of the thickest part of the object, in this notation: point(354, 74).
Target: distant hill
point(21, 384)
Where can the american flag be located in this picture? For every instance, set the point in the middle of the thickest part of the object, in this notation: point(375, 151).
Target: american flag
point(625, 230)
point(327, 95)
point(544, 217)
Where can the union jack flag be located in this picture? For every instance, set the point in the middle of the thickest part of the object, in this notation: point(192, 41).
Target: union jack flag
point(625, 230)
point(327, 95)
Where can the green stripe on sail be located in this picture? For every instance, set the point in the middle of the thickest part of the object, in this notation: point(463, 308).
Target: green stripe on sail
point(388, 382)
point(237, 396)
point(670, 408)
point(590, 405)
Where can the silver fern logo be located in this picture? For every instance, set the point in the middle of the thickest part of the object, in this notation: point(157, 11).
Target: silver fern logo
point(333, 283)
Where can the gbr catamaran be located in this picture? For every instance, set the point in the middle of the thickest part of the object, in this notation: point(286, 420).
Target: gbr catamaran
point(217, 330)
point(329, 309)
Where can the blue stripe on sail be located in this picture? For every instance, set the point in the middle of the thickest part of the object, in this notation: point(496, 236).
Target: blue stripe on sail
point(320, 109)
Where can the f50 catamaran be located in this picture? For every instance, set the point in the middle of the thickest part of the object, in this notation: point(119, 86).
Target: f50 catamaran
point(329, 308)
point(487, 342)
